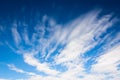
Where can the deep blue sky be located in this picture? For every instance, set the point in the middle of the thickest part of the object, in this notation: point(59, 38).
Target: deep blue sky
point(61, 10)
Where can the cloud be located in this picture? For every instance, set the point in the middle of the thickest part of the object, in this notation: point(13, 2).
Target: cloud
point(31, 60)
point(16, 35)
point(12, 67)
point(108, 62)
point(31, 75)
point(53, 44)
point(25, 37)
point(80, 41)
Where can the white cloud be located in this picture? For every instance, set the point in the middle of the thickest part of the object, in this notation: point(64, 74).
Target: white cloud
point(12, 67)
point(38, 77)
point(31, 60)
point(108, 62)
point(26, 37)
point(93, 77)
point(78, 37)
point(81, 35)
point(16, 35)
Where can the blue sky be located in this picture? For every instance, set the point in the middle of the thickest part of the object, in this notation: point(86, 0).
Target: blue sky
point(59, 40)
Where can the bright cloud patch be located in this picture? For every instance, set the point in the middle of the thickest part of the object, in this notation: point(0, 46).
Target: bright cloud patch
point(86, 48)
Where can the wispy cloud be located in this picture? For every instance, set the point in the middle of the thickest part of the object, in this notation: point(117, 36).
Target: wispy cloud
point(67, 44)
point(26, 37)
point(110, 60)
point(30, 75)
point(12, 67)
point(16, 34)
point(80, 41)
point(31, 60)
point(18, 70)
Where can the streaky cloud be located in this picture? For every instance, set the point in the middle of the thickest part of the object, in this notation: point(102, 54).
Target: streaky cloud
point(54, 44)
point(16, 35)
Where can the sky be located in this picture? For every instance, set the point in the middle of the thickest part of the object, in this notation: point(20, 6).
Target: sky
point(59, 40)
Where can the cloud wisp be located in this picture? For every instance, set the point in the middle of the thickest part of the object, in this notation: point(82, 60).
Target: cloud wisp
point(51, 44)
